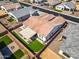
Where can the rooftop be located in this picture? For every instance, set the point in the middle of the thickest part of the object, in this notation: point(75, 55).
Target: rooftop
point(71, 5)
point(44, 24)
point(22, 12)
point(71, 44)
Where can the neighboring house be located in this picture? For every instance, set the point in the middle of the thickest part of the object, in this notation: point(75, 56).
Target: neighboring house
point(22, 14)
point(11, 7)
point(66, 6)
point(70, 46)
point(28, 33)
point(69, 5)
point(46, 26)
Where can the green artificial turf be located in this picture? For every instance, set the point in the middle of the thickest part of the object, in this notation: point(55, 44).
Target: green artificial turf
point(6, 40)
point(18, 54)
point(36, 46)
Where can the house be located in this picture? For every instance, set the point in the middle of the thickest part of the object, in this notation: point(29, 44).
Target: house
point(46, 26)
point(70, 46)
point(28, 33)
point(66, 6)
point(69, 5)
point(22, 14)
point(11, 7)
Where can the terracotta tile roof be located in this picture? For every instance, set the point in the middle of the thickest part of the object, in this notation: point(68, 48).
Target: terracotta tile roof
point(42, 25)
point(47, 17)
point(11, 6)
point(47, 27)
point(32, 21)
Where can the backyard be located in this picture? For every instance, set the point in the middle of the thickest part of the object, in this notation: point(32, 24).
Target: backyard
point(35, 45)
point(17, 55)
point(4, 41)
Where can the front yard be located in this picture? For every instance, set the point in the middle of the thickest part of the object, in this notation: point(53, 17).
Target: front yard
point(35, 45)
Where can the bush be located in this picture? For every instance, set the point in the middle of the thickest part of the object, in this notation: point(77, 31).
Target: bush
point(10, 19)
